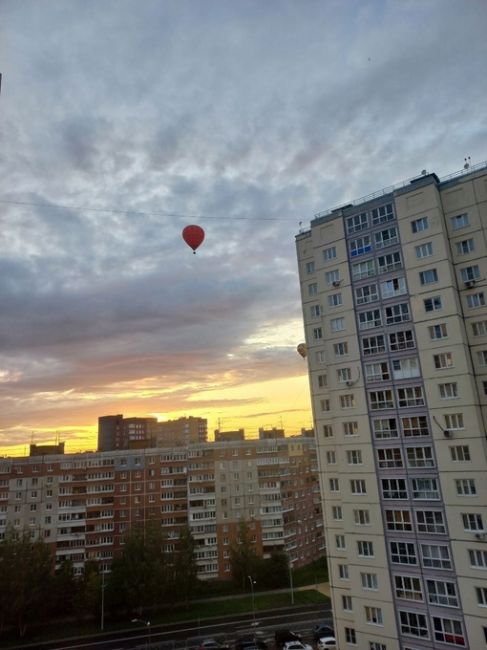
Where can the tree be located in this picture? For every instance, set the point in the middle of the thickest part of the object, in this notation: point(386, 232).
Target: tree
point(273, 572)
point(185, 568)
point(243, 558)
point(87, 599)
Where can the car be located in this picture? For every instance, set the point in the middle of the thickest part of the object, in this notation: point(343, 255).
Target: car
point(322, 630)
point(326, 643)
point(296, 645)
point(212, 644)
point(284, 636)
point(250, 642)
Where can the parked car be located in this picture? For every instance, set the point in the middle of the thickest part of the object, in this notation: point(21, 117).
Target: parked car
point(250, 642)
point(322, 630)
point(296, 645)
point(212, 644)
point(284, 636)
point(326, 643)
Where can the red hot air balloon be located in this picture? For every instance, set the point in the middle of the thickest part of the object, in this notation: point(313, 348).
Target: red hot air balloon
point(193, 236)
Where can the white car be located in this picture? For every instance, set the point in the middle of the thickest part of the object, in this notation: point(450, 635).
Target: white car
point(296, 645)
point(326, 643)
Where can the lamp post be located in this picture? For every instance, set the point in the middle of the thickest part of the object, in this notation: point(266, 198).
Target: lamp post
point(252, 583)
point(102, 617)
point(147, 624)
point(291, 583)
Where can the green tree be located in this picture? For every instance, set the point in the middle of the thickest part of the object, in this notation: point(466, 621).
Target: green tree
point(87, 599)
point(243, 558)
point(273, 573)
point(65, 587)
point(185, 568)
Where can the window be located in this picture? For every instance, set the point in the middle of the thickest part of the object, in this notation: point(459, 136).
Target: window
point(425, 488)
point(393, 287)
point(442, 592)
point(340, 349)
point(361, 517)
point(320, 356)
point(350, 428)
point(369, 581)
point(369, 319)
point(460, 453)
point(443, 360)
point(340, 542)
point(476, 300)
point(381, 399)
point(343, 572)
point(454, 421)
point(413, 624)
point(329, 253)
point(448, 390)
point(397, 313)
point(363, 270)
point(448, 630)
point(324, 405)
point(402, 340)
point(465, 246)
point(466, 487)
point(479, 328)
point(478, 558)
point(347, 603)
point(310, 267)
point(376, 645)
point(419, 225)
point(430, 521)
point(482, 357)
point(332, 276)
point(386, 237)
point(354, 457)
point(389, 262)
point(428, 277)
point(331, 457)
point(373, 345)
point(472, 522)
point(350, 635)
point(435, 556)
point(438, 331)
point(403, 553)
point(357, 486)
point(365, 549)
point(377, 371)
point(357, 223)
point(336, 513)
point(415, 426)
point(344, 375)
point(337, 324)
point(470, 273)
point(420, 457)
point(366, 294)
point(382, 214)
point(410, 396)
point(313, 289)
point(459, 221)
point(327, 431)
point(399, 520)
point(405, 368)
point(334, 485)
point(385, 428)
point(424, 250)
point(347, 401)
point(322, 381)
point(373, 615)
point(334, 300)
point(315, 311)
point(389, 457)
point(432, 304)
point(394, 488)
point(360, 246)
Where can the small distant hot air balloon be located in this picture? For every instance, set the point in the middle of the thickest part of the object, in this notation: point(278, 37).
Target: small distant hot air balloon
point(302, 350)
point(193, 236)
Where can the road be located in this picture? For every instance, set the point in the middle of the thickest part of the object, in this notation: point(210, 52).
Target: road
point(179, 636)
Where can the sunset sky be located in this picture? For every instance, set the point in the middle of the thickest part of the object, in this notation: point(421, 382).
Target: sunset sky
point(122, 121)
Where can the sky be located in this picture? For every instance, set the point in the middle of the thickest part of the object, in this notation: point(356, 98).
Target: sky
point(123, 121)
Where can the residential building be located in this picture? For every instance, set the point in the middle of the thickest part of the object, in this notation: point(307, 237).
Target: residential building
point(394, 296)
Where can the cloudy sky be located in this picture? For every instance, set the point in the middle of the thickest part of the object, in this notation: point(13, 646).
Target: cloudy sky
point(122, 121)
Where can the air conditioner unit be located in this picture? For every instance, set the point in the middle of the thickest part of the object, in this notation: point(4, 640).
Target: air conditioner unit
point(481, 536)
point(349, 382)
point(336, 283)
point(447, 433)
point(469, 283)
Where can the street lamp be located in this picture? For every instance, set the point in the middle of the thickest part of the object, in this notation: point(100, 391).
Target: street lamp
point(252, 583)
point(291, 583)
point(147, 624)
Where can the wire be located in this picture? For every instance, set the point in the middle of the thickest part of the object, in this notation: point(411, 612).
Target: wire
point(177, 215)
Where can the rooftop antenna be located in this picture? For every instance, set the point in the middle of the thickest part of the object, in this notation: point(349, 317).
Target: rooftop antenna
point(468, 162)
point(424, 172)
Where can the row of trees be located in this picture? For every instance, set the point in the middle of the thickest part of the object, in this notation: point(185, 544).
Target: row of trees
point(146, 575)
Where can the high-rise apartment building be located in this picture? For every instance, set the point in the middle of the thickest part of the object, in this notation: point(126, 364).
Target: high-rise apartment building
point(394, 295)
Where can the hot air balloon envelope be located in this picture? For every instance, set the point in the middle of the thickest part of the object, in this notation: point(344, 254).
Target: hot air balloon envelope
point(193, 236)
point(302, 350)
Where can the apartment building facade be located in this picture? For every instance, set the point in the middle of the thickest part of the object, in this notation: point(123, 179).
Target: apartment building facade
point(394, 295)
point(83, 504)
